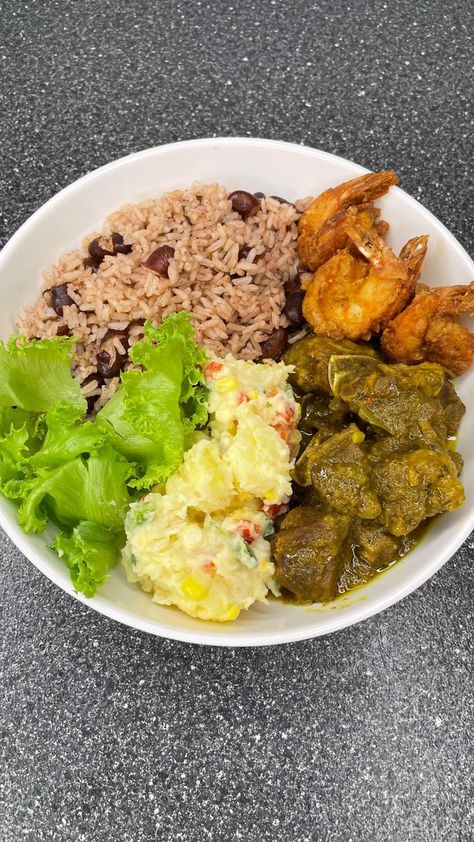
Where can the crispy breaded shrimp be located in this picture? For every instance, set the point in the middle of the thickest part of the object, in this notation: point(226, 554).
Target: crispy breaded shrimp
point(349, 297)
point(332, 235)
point(449, 343)
point(321, 231)
point(382, 258)
point(428, 329)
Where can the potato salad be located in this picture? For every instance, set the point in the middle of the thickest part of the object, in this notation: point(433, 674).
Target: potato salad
point(201, 541)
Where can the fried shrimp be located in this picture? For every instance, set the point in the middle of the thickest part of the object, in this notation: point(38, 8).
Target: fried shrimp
point(353, 298)
point(321, 227)
point(428, 329)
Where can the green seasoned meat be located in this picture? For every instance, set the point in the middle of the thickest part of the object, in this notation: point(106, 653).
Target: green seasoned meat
point(341, 473)
point(400, 399)
point(363, 491)
point(302, 470)
point(413, 486)
point(309, 553)
point(383, 446)
point(373, 549)
point(453, 406)
point(311, 356)
point(306, 496)
point(320, 412)
point(457, 459)
point(375, 546)
point(355, 573)
point(299, 516)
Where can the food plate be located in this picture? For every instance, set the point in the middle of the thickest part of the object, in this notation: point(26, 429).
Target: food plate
point(273, 168)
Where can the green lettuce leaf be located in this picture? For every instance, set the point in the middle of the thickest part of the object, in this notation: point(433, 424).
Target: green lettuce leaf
point(121, 434)
point(66, 437)
point(13, 451)
point(37, 375)
point(89, 551)
point(176, 335)
point(93, 489)
point(16, 418)
point(153, 414)
point(19, 439)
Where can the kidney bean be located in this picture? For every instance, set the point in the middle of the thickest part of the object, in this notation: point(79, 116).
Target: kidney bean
point(294, 296)
point(159, 260)
point(110, 363)
point(259, 195)
point(273, 347)
point(96, 251)
point(100, 248)
point(293, 308)
point(244, 252)
point(282, 201)
point(60, 298)
point(119, 246)
point(91, 377)
point(122, 335)
point(244, 203)
point(91, 399)
point(89, 263)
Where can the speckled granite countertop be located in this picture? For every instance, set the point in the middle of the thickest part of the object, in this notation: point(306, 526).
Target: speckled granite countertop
point(107, 734)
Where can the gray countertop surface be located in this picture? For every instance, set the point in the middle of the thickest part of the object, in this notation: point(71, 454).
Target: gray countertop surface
point(109, 734)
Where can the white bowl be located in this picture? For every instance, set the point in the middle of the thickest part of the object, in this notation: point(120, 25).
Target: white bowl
point(275, 168)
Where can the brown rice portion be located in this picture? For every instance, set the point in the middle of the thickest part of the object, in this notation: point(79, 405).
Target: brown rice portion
point(236, 300)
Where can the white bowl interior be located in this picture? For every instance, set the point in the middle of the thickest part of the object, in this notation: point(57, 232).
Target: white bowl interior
point(272, 167)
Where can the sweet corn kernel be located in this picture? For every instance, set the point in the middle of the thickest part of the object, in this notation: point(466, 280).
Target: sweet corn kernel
point(227, 384)
point(232, 613)
point(253, 395)
point(192, 589)
point(358, 437)
point(270, 497)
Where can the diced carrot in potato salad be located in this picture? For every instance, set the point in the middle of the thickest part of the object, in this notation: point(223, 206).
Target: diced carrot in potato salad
point(202, 542)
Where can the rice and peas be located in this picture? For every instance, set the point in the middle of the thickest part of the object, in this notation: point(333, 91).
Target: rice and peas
point(229, 271)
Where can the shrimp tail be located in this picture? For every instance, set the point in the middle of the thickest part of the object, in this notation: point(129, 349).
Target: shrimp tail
point(366, 188)
point(413, 254)
point(455, 300)
point(369, 243)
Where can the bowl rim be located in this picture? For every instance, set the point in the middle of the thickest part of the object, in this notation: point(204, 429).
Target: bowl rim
point(330, 625)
